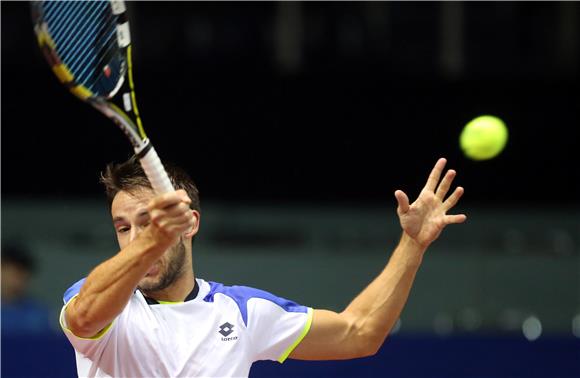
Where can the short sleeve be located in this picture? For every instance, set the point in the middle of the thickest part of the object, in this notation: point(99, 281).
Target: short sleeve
point(85, 346)
point(275, 325)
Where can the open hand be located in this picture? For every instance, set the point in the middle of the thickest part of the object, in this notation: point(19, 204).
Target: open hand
point(424, 219)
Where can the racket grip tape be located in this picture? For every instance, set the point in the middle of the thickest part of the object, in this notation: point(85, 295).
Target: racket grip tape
point(154, 170)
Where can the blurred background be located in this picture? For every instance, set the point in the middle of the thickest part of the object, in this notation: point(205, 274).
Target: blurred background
point(298, 121)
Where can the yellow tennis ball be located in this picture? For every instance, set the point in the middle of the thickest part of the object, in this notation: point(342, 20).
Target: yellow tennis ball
point(483, 138)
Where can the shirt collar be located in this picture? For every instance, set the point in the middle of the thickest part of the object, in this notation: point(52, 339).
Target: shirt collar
point(191, 296)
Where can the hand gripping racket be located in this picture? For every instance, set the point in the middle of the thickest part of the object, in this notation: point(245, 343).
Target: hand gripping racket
point(88, 46)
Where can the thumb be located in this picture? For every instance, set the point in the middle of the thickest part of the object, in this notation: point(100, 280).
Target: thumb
point(402, 201)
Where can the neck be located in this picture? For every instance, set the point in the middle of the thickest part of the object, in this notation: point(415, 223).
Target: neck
point(177, 291)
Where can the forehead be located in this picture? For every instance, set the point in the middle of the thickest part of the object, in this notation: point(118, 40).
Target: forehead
point(126, 203)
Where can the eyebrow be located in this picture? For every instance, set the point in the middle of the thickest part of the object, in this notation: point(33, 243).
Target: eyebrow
point(140, 214)
point(118, 219)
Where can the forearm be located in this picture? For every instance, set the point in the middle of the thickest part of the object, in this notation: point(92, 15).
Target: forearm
point(376, 309)
point(362, 327)
point(109, 286)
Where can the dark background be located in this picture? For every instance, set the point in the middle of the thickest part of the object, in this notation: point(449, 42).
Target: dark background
point(366, 108)
point(281, 107)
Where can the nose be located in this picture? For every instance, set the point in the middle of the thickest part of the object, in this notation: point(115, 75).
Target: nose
point(135, 231)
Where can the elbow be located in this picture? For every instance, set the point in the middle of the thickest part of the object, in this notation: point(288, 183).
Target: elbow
point(369, 349)
point(364, 338)
point(368, 342)
point(81, 324)
point(373, 350)
point(364, 348)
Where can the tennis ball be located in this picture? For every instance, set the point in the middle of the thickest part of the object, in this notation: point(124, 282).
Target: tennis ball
point(483, 138)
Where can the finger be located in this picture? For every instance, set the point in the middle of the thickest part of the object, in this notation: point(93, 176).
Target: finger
point(181, 221)
point(453, 198)
point(402, 201)
point(184, 196)
point(175, 224)
point(169, 199)
point(175, 211)
point(433, 179)
point(445, 184)
point(163, 201)
point(457, 218)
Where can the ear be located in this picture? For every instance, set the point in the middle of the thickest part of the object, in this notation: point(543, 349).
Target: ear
point(191, 233)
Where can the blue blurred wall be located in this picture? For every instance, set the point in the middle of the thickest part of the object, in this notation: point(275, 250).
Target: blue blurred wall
point(50, 355)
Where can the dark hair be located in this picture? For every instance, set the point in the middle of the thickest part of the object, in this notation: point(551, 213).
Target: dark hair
point(129, 176)
point(18, 255)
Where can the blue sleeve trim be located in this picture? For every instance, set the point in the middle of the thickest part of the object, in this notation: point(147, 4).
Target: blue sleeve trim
point(73, 290)
point(242, 294)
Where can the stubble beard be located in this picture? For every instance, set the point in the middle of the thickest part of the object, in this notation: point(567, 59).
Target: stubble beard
point(175, 269)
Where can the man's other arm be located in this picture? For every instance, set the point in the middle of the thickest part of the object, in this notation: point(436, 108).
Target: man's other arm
point(362, 327)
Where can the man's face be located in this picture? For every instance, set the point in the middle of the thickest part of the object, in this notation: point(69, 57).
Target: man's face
point(15, 280)
point(130, 218)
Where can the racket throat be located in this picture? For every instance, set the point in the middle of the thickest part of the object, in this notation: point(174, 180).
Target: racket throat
point(143, 148)
point(153, 168)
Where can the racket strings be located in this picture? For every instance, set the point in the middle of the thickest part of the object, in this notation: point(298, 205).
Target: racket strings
point(74, 50)
point(107, 47)
point(68, 29)
point(85, 37)
point(60, 17)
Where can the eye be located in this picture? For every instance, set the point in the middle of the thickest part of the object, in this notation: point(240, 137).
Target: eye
point(123, 229)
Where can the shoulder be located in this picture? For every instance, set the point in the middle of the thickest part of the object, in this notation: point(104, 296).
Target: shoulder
point(241, 295)
point(72, 291)
point(75, 288)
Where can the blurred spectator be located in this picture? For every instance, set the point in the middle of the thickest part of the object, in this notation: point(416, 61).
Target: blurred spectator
point(20, 312)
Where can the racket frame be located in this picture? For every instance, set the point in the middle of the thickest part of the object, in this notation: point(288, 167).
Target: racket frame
point(133, 129)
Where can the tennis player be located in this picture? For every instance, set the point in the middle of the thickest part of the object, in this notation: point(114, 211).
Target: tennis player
point(144, 313)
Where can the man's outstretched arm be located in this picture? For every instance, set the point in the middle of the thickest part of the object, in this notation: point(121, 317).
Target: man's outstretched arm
point(362, 327)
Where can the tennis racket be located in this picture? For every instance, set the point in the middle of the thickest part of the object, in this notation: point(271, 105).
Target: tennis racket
point(88, 46)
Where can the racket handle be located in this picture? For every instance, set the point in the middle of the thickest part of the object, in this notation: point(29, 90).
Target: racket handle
point(154, 169)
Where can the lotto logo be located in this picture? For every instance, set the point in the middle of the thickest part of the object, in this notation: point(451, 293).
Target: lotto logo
point(226, 329)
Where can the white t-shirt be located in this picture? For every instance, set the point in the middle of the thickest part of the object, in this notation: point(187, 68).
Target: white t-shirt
point(219, 331)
